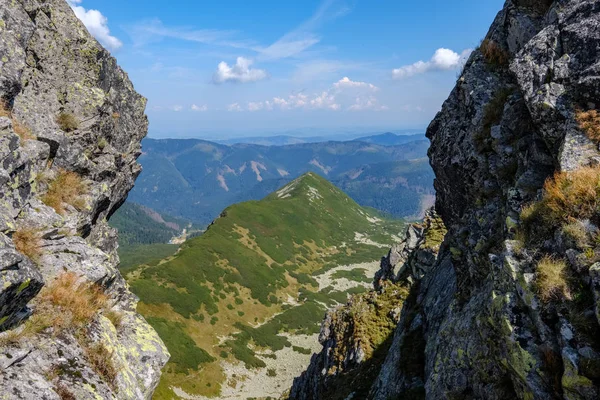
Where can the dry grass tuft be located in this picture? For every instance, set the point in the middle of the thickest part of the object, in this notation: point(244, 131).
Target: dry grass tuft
point(65, 304)
point(78, 301)
point(9, 338)
point(115, 317)
point(576, 233)
point(573, 194)
point(20, 129)
point(101, 360)
point(28, 241)
point(589, 123)
point(23, 131)
point(67, 188)
point(5, 110)
point(63, 392)
point(568, 196)
point(67, 122)
point(494, 54)
point(552, 280)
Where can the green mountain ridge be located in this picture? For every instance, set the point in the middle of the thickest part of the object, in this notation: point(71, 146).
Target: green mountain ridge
point(255, 274)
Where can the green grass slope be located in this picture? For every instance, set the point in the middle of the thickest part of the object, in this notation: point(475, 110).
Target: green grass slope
point(227, 293)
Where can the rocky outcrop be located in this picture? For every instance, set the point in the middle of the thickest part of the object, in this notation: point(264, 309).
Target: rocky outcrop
point(412, 258)
point(509, 308)
point(70, 131)
point(357, 336)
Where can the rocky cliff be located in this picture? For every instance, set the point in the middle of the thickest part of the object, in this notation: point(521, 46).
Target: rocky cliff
point(357, 336)
point(510, 308)
point(70, 131)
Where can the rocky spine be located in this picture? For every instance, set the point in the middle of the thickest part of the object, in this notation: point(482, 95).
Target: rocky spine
point(509, 309)
point(70, 131)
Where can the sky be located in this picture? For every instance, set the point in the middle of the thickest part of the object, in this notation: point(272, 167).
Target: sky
point(216, 69)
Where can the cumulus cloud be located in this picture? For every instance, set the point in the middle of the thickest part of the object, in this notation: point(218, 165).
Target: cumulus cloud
point(97, 24)
point(234, 107)
point(442, 60)
point(261, 105)
point(176, 108)
point(239, 72)
point(344, 94)
point(201, 108)
point(346, 82)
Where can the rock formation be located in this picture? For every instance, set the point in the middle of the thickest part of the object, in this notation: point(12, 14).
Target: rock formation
point(510, 307)
point(357, 336)
point(70, 131)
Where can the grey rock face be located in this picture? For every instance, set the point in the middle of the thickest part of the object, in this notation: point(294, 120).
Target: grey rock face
point(412, 258)
point(474, 326)
point(350, 352)
point(484, 334)
point(50, 68)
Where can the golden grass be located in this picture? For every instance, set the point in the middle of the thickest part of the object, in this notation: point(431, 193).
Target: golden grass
point(567, 196)
point(28, 241)
point(551, 280)
point(573, 194)
point(576, 233)
point(493, 53)
point(67, 188)
point(67, 122)
point(101, 360)
point(64, 393)
point(80, 301)
point(19, 128)
point(589, 123)
point(65, 304)
point(23, 131)
point(9, 338)
point(4, 110)
point(115, 318)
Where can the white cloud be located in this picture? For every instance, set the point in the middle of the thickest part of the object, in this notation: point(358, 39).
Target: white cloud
point(176, 108)
point(325, 100)
point(234, 107)
point(346, 82)
point(96, 24)
point(240, 72)
point(343, 94)
point(442, 60)
point(258, 106)
point(201, 108)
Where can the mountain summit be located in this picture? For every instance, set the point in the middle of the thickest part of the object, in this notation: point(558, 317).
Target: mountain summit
point(258, 281)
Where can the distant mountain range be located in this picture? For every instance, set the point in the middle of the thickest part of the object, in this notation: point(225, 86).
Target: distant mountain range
point(390, 139)
point(385, 139)
point(197, 179)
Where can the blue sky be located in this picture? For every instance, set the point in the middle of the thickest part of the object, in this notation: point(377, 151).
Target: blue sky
point(220, 69)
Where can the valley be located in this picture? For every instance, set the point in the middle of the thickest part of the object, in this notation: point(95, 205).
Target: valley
point(240, 306)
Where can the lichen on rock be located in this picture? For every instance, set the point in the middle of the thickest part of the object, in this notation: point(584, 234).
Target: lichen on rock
point(58, 188)
point(509, 307)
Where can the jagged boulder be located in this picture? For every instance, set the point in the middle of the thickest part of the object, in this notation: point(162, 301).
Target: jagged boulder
point(71, 127)
point(415, 255)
